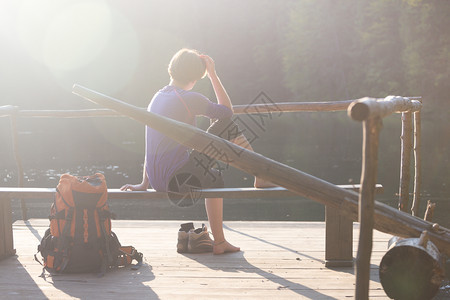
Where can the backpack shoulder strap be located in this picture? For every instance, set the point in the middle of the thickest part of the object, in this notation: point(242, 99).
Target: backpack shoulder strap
point(64, 240)
point(62, 197)
point(182, 101)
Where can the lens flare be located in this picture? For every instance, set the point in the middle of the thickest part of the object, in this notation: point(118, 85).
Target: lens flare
point(77, 36)
point(80, 41)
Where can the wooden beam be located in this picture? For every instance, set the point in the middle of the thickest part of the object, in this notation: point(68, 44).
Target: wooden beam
point(292, 107)
point(387, 219)
point(227, 193)
point(82, 113)
point(266, 108)
point(366, 108)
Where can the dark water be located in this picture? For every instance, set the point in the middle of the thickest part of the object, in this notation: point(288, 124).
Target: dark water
point(328, 148)
point(289, 209)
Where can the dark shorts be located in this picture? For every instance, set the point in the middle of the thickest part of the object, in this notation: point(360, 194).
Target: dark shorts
point(201, 171)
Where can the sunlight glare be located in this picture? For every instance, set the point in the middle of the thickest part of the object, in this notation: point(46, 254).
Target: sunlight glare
point(64, 35)
point(77, 35)
point(80, 41)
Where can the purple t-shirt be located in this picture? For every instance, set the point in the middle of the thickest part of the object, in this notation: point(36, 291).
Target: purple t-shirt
point(165, 156)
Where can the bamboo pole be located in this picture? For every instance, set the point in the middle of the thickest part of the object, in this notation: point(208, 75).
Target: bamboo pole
point(371, 130)
point(405, 164)
point(366, 108)
point(387, 219)
point(417, 164)
point(18, 159)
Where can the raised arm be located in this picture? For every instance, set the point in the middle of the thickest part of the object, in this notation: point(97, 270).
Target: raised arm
point(219, 90)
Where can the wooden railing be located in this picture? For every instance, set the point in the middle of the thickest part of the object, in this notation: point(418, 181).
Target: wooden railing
point(370, 213)
point(370, 112)
point(15, 112)
point(10, 110)
point(359, 111)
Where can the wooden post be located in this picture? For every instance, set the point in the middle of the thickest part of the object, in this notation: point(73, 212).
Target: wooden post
point(387, 219)
point(6, 232)
point(338, 239)
point(417, 164)
point(371, 129)
point(20, 174)
point(406, 146)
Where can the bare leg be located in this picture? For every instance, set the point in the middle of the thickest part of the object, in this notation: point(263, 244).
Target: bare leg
point(214, 209)
point(242, 141)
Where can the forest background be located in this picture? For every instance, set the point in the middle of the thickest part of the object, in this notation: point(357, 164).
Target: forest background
point(289, 50)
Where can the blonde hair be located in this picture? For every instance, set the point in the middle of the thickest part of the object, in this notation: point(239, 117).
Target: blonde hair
point(187, 66)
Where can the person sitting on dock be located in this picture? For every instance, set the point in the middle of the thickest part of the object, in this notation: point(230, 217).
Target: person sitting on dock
point(166, 161)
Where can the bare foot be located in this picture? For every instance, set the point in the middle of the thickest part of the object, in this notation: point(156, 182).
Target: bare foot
point(224, 247)
point(261, 183)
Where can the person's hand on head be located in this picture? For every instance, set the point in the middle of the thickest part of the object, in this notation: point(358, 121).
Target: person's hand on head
point(210, 66)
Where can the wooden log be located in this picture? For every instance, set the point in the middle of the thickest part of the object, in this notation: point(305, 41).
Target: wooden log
point(417, 164)
point(366, 108)
point(387, 219)
point(82, 113)
point(292, 107)
point(371, 131)
point(405, 163)
point(238, 109)
point(411, 269)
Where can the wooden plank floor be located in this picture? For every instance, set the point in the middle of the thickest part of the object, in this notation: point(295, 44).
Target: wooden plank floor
point(280, 260)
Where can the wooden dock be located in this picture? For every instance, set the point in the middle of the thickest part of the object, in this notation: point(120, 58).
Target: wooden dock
point(280, 260)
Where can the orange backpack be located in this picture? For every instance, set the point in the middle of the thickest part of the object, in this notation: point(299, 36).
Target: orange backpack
point(80, 238)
